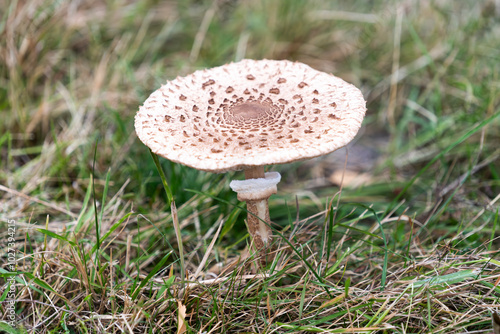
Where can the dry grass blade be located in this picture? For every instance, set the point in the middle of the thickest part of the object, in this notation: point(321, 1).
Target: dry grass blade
point(208, 251)
point(36, 200)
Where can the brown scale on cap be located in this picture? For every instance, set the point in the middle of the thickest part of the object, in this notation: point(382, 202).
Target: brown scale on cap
point(300, 112)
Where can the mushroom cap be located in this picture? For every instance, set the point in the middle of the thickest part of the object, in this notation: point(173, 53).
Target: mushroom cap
point(250, 113)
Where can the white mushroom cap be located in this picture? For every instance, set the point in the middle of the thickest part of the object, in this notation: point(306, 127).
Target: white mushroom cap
point(250, 113)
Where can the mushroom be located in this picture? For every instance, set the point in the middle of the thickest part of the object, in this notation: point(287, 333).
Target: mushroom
point(246, 115)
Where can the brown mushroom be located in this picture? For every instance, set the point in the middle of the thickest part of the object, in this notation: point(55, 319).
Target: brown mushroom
point(249, 114)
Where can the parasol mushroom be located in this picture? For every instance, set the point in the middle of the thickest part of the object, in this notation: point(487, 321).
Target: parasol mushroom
point(246, 115)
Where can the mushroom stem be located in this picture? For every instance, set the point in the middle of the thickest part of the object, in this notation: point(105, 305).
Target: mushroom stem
point(260, 232)
point(256, 190)
point(256, 172)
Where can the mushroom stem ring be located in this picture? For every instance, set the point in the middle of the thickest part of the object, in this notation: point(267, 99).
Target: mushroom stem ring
point(256, 192)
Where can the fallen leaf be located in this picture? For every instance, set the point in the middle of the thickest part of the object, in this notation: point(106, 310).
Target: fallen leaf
point(181, 318)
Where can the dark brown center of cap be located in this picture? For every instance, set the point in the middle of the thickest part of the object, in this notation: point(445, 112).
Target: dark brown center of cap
point(250, 110)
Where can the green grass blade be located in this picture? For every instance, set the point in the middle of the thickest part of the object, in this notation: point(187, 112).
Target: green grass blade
point(105, 194)
point(231, 219)
point(97, 232)
point(6, 292)
point(112, 229)
point(303, 296)
point(168, 191)
point(177, 228)
point(329, 245)
point(156, 268)
point(56, 236)
point(386, 250)
point(39, 282)
point(493, 231)
point(166, 285)
point(85, 204)
point(457, 277)
point(347, 286)
point(5, 327)
point(349, 227)
point(337, 263)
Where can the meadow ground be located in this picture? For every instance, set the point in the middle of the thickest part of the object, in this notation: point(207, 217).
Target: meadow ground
point(404, 240)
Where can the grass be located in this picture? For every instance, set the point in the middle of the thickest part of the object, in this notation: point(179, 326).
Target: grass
point(99, 248)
